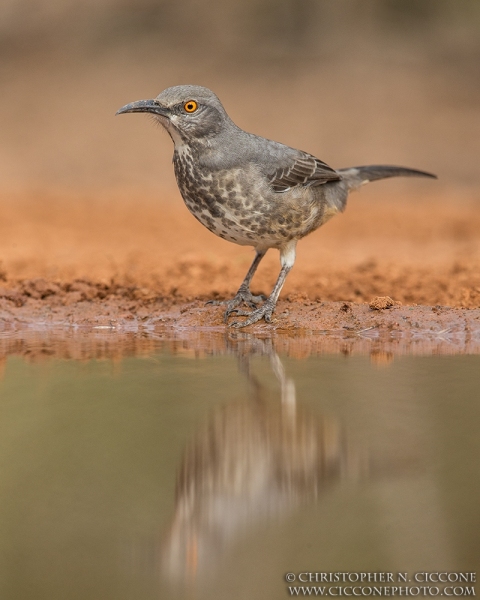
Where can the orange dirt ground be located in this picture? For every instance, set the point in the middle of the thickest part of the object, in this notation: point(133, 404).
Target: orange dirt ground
point(128, 260)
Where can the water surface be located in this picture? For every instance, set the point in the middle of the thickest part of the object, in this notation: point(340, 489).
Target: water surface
point(209, 467)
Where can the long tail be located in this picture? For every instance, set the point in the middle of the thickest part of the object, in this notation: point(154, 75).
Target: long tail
point(357, 176)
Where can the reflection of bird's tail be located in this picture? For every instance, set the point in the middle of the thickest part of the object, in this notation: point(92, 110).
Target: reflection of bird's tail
point(357, 176)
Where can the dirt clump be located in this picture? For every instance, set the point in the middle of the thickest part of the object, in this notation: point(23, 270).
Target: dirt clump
point(382, 302)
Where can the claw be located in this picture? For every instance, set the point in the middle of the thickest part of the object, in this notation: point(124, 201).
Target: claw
point(238, 312)
point(242, 297)
point(264, 312)
point(234, 311)
point(246, 297)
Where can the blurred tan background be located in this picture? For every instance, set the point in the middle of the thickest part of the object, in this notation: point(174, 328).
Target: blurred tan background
point(86, 194)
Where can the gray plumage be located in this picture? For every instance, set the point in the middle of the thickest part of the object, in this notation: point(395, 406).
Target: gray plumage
point(250, 190)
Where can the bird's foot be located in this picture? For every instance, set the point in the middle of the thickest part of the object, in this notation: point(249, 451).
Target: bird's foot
point(242, 297)
point(264, 312)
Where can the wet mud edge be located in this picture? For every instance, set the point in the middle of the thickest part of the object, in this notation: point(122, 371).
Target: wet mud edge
point(300, 326)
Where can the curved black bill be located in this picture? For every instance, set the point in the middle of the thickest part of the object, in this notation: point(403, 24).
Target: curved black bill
point(150, 106)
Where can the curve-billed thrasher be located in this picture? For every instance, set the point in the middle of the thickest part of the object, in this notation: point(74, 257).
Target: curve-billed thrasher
point(250, 190)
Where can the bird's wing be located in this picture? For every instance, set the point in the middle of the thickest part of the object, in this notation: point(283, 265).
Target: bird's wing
point(300, 169)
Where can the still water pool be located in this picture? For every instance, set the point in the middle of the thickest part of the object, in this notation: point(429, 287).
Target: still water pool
point(207, 467)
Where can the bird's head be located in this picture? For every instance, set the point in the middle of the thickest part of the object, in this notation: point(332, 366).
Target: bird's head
point(188, 112)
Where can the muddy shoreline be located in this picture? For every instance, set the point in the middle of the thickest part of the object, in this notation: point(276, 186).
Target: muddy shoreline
point(98, 263)
point(300, 327)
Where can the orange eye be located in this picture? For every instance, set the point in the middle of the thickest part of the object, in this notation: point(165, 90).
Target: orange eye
point(190, 106)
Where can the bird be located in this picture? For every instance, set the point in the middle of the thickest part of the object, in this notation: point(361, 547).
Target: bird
point(250, 190)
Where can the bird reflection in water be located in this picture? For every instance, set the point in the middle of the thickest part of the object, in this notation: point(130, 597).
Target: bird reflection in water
point(256, 460)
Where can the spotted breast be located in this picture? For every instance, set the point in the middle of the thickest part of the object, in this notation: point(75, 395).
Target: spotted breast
point(240, 207)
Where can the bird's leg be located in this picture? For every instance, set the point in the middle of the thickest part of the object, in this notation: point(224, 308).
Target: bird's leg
point(266, 310)
point(287, 258)
point(244, 295)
